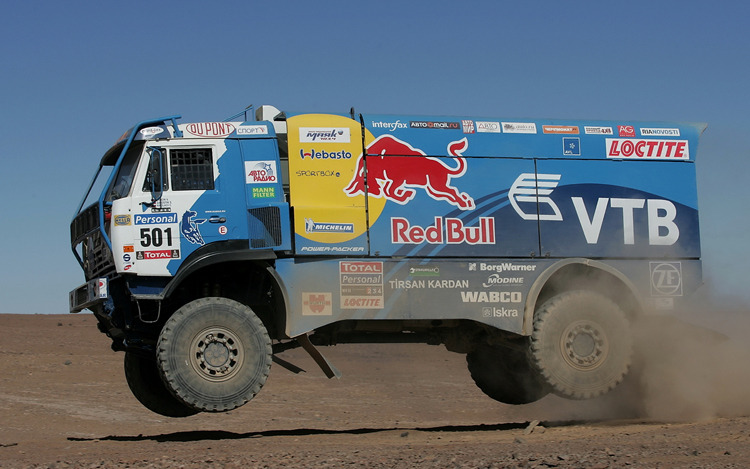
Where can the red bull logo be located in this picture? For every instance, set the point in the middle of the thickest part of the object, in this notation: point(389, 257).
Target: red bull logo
point(395, 170)
point(448, 230)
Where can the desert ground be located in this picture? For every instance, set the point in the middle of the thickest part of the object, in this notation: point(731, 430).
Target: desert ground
point(64, 402)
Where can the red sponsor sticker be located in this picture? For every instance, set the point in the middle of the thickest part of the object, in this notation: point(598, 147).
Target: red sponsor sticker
point(648, 149)
point(560, 129)
point(316, 304)
point(468, 126)
point(160, 254)
point(626, 131)
point(361, 267)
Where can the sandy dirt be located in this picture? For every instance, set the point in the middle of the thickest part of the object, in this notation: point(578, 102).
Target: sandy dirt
point(64, 403)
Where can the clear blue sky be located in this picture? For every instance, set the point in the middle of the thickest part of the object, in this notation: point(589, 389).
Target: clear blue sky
point(75, 75)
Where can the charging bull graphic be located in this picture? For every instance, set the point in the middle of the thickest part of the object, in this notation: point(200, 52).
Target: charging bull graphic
point(395, 168)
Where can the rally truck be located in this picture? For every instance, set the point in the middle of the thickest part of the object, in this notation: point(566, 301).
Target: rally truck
point(529, 245)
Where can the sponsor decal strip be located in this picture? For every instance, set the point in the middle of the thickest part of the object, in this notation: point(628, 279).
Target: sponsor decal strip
point(324, 134)
point(155, 219)
point(519, 127)
point(315, 227)
point(260, 172)
point(252, 130)
point(660, 132)
point(560, 129)
point(210, 129)
point(434, 125)
point(597, 130)
point(648, 149)
point(488, 127)
point(361, 285)
point(316, 304)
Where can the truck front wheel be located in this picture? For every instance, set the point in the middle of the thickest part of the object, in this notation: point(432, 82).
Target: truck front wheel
point(147, 386)
point(214, 354)
point(581, 344)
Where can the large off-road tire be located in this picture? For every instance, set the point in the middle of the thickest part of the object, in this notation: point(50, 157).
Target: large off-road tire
point(506, 374)
point(581, 344)
point(214, 354)
point(144, 380)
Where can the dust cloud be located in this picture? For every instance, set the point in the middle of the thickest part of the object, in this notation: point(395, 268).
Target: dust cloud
point(690, 366)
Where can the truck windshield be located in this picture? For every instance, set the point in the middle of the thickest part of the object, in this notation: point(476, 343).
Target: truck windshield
point(120, 185)
point(123, 180)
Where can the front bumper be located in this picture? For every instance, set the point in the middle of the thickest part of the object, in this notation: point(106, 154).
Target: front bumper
point(89, 294)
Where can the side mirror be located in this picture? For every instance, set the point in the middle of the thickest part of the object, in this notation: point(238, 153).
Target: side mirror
point(155, 176)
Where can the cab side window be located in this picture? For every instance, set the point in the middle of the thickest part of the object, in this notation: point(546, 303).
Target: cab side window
point(192, 169)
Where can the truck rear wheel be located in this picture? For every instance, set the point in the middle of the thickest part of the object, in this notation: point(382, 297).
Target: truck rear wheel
point(144, 380)
point(581, 344)
point(214, 354)
point(506, 375)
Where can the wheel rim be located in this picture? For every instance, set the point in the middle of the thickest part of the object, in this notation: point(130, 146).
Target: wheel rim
point(216, 354)
point(584, 345)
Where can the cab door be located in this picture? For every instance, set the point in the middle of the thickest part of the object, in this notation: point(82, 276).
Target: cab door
point(181, 203)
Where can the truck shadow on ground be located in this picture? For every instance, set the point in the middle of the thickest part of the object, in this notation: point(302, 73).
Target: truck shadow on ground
point(217, 435)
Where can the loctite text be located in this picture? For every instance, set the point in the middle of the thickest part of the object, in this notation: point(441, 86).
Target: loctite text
point(652, 149)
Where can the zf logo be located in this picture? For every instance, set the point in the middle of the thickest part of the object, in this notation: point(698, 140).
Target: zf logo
point(666, 278)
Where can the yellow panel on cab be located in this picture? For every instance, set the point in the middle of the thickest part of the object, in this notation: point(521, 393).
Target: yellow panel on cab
point(323, 154)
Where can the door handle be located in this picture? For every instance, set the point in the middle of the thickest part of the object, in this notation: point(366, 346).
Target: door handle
point(217, 219)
